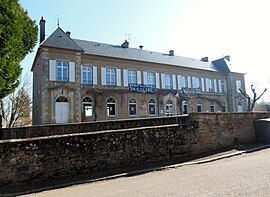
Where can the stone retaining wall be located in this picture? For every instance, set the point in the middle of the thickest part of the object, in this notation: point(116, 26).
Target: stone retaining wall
point(26, 163)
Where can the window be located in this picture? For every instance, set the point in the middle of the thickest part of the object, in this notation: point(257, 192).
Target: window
point(87, 106)
point(238, 86)
point(223, 107)
point(197, 82)
point(199, 106)
point(111, 106)
point(210, 85)
point(169, 108)
point(168, 81)
point(152, 107)
point(212, 107)
point(184, 81)
point(151, 78)
point(132, 77)
point(87, 75)
point(132, 107)
point(62, 71)
point(61, 99)
point(184, 107)
point(110, 76)
point(222, 86)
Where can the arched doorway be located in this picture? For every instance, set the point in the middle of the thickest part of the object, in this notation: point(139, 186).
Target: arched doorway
point(61, 110)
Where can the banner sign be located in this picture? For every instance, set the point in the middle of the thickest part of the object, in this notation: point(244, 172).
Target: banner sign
point(142, 88)
point(196, 91)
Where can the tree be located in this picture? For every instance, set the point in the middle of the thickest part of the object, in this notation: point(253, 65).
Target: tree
point(255, 98)
point(16, 108)
point(18, 35)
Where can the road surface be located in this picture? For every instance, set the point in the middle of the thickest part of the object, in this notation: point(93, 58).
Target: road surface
point(244, 175)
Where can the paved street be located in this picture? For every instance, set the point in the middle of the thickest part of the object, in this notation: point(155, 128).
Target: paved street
point(244, 175)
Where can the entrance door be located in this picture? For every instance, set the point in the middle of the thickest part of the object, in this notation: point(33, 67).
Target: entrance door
point(169, 108)
point(61, 110)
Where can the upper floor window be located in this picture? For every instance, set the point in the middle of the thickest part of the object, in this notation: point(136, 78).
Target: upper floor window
point(132, 77)
point(222, 86)
point(184, 81)
point(197, 82)
point(62, 70)
point(110, 76)
point(151, 78)
point(87, 74)
point(168, 81)
point(238, 86)
point(210, 85)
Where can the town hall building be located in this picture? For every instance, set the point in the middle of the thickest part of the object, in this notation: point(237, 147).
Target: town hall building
point(79, 81)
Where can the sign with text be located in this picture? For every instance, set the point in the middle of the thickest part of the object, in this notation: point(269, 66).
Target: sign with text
point(142, 88)
point(196, 91)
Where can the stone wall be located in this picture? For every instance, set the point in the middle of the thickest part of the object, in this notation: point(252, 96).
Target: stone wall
point(26, 163)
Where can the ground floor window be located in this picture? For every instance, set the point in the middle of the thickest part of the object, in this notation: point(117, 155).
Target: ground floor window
point(199, 106)
point(184, 107)
point(111, 107)
point(132, 107)
point(169, 108)
point(87, 107)
point(223, 107)
point(239, 107)
point(212, 107)
point(152, 107)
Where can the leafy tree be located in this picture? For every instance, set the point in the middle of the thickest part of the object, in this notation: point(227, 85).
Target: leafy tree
point(16, 108)
point(18, 35)
point(252, 102)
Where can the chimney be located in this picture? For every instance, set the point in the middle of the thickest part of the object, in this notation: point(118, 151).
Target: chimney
point(204, 59)
point(171, 53)
point(227, 57)
point(41, 30)
point(125, 44)
point(68, 33)
point(141, 46)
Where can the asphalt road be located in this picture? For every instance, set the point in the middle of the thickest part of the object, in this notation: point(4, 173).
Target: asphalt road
point(244, 175)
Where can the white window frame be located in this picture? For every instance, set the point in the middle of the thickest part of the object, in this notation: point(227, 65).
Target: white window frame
point(132, 77)
point(130, 104)
point(238, 86)
point(87, 103)
point(212, 104)
point(110, 75)
point(184, 81)
point(151, 76)
point(60, 76)
point(168, 81)
point(199, 103)
point(111, 103)
point(152, 104)
point(88, 71)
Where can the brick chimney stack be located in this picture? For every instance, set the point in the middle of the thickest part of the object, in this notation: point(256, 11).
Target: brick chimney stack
point(68, 33)
point(41, 30)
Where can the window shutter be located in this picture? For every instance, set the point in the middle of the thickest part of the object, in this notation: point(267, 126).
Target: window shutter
point(125, 77)
point(202, 84)
point(225, 86)
point(103, 76)
point(194, 84)
point(144, 77)
point(219, 85)
point(52, 74)
point(139, 77)
point(189, 82)
point(157, 81)
point(95, 75)
point(118, 74)
point(215, 85)
point(81, 74)
point(174, 81)
point(207, 84)
point(162, 80)
point(179, 82)
point(71, 71)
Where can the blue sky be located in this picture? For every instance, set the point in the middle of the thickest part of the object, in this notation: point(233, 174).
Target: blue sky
point(192, 28)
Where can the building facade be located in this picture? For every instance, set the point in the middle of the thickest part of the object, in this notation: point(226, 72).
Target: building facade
point(79, 81)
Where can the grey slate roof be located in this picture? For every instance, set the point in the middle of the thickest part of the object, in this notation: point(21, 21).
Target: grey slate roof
point(115, 51)
point(59, 39)
point(221, 65)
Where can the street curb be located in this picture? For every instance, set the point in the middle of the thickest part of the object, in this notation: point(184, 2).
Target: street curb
point(147, 170)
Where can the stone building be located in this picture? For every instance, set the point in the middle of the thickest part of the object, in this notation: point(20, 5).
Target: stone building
point(76, 81)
